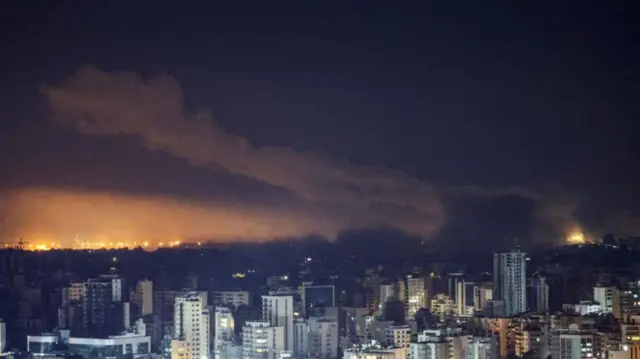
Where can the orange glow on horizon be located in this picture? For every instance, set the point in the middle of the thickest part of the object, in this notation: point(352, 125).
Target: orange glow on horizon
point(49, 218)
point(38, 246)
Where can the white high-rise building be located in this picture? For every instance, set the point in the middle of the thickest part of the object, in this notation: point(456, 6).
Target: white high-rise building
point(223, 329)
point(416, 297)
point(143, 297)
point(608, 298)
point(191, 323)
point(509, 273)
point(278, 311)
point(323, 338)
point(262, 341)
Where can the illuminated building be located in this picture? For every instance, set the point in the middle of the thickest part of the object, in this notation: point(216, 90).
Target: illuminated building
point(415, 297)
point(398, 335)
point(573, 343)
point(115, 346)
point(442, 306)
point(532, 338)
point(233, 298)
point(585, 307)
point(278, 311)
point(464, 298)
point(191, 323)
point(164, 303)
point(180, 349)
point(376, 352)
point(630, 329)
point(445, 343)
point(223, 329)
point(509, 273)
point(482, 294)
point(608, 298)
point(629, 297)
point(262, 341)
point(76, 291)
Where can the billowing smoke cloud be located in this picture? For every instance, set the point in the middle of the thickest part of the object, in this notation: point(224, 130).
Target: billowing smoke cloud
point(330, 194)
point(98, 103)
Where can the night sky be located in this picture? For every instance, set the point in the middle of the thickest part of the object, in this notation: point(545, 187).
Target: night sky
point(463, 122)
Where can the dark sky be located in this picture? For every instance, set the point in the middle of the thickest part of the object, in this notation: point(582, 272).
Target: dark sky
point(465, 122)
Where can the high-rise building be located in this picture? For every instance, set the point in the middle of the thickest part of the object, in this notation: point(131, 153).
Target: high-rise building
point(482, 294)
point(75, 292)
point(103, 311)
point(445, 343)
point(387, 292)
point(628, 299)
point(452, 284)
point(143, 297)
point(608, 298)
point(465, 298)
point(314, 296)
point(300, 338)
point(180, 349)
point(509, 273)
point(278, 311)
point(191, 323)
point(539, 298)
point(481, 348)
point(398, 335)
point(442, 306)
point(223, 329)
point(323, 338)
point(3, 336)
point(260, 340)
point(573, 343)
point(416, 296)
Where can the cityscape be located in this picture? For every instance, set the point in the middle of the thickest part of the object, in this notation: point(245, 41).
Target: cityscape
point(321, 300)
point(319, 179)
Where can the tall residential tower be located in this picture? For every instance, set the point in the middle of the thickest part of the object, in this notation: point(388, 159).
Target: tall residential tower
point(509, 276)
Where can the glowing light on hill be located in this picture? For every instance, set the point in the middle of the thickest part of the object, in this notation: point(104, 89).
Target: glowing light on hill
point(576, 237)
